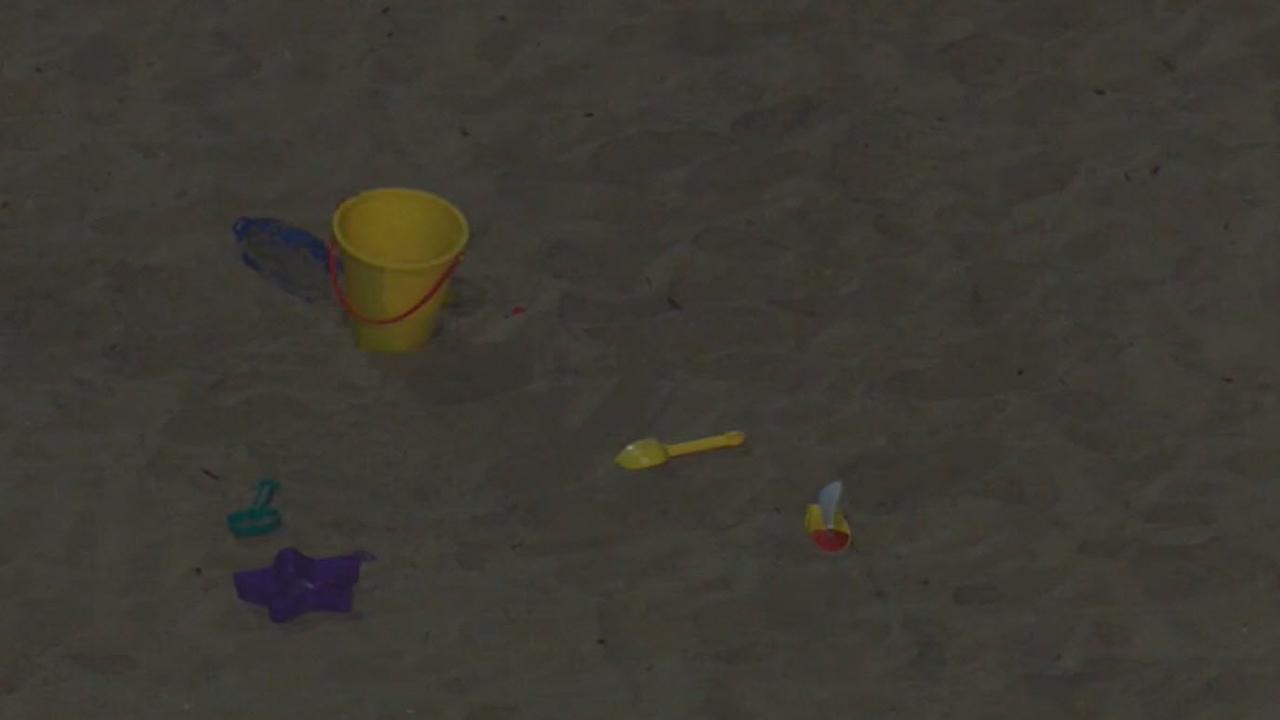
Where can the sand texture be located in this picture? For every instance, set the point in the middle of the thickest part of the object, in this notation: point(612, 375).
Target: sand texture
point(1008, 270)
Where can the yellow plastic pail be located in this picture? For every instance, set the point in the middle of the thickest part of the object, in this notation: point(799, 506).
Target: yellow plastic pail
point(399, 249)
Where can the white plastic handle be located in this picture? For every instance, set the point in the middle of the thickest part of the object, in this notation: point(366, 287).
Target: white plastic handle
point(828, 501)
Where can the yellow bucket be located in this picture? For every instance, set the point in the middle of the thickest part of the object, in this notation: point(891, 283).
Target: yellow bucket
point(399, 248)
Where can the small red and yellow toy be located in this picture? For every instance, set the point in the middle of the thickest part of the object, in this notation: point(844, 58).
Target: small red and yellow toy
point(825, 522)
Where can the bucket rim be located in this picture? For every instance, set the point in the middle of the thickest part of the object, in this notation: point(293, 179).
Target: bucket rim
point(441, 259)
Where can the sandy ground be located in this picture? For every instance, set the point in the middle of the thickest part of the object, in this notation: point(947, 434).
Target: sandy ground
point(1007, 269)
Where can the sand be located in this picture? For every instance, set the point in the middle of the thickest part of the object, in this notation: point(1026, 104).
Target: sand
point(1008, 270)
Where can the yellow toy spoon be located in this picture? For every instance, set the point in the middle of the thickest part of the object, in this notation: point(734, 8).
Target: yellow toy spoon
point(649, 452)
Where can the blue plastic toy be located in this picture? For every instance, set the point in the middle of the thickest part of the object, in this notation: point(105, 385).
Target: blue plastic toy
point(288, 257)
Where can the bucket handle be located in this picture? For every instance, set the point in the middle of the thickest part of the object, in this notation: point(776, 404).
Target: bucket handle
point(346, 302)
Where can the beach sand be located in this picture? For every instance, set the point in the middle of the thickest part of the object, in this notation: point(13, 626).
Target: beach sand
point(1008, 270)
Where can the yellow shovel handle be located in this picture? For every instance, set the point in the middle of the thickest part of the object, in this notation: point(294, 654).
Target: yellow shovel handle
point(715, 442)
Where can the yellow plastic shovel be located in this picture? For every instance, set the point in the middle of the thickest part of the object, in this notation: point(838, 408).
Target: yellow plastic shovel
point(649, 452)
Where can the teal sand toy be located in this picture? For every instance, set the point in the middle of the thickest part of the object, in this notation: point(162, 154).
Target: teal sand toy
point(260, 518)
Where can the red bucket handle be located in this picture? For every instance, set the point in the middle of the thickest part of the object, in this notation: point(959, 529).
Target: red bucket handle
point(346, 302)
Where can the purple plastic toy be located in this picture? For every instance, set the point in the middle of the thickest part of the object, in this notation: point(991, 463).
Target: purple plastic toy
point(295, 584)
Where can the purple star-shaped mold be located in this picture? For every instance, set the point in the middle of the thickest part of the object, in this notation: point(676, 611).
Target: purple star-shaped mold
point(295, 584)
